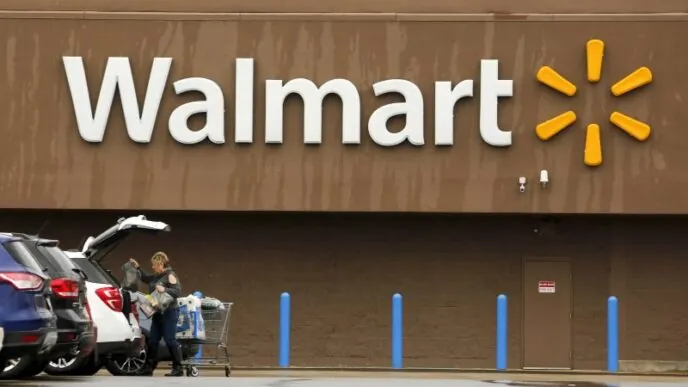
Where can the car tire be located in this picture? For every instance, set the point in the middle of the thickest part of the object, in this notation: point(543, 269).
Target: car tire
point(23, 367)
point(122, 365)
point(33, 369)
point(89, 369)
point(66, 365)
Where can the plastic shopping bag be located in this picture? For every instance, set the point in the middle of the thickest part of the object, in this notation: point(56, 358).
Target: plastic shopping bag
point(132, 277)
point(163, 300)
point(155, 302)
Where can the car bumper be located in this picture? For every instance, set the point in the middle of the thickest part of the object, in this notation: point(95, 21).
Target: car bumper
point(128, 347)
point(70, 342)
point(18, 344)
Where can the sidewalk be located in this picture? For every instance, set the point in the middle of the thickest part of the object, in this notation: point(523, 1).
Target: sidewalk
point(457, 375)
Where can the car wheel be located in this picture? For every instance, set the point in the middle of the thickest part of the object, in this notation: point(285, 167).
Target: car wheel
point(66, 365)
point(33, 369)
point(89, 369)
point(14, 366)
point(122, 365)
point(23, 367)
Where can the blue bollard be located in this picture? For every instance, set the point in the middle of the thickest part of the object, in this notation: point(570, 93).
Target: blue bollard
point(612, 334)
point(397, 332)
point(285, 329)
point(502, 331)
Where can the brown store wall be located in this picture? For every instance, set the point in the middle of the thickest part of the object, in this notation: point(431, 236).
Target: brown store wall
point(48, 166)
point(656, 287)
point(342, 270)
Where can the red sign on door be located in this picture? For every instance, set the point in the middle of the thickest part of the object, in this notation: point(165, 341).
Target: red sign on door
point(547, 287)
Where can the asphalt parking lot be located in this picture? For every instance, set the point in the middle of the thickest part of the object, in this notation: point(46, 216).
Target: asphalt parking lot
point(360, 379)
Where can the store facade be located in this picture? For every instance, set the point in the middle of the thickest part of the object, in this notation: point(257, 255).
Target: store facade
point(444, 153)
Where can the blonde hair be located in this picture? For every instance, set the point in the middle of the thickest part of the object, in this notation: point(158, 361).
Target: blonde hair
point(161, 257)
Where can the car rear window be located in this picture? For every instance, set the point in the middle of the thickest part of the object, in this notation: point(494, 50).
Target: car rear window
point(94, 273)
point(23, 256)
point(55, 261)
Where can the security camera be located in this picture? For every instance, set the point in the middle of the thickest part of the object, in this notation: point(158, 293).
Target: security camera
point(544, 178)
point(522, 184)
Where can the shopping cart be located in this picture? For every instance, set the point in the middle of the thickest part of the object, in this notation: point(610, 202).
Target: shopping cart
point(213, 351)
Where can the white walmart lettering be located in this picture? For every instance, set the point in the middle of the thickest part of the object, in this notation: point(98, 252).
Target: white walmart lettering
point(140, 123)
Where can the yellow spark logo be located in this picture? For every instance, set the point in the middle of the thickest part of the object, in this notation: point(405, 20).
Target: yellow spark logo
point(593, 144)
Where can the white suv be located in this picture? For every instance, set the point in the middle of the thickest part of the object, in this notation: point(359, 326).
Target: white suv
point(112, 309)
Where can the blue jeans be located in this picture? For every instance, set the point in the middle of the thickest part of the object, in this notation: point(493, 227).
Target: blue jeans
point(164, 326)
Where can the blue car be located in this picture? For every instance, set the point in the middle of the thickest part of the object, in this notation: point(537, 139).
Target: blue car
point(26, 314)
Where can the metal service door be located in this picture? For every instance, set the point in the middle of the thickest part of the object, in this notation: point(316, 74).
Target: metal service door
point(547, 314)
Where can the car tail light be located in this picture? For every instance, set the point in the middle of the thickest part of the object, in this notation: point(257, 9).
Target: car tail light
point(30, 338)
point(65, 288)
point(64, 337)
point(22, 281)
point(111, 297)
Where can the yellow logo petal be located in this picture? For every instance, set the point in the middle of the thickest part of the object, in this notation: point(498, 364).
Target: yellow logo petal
point(553, 79)
point(636, 129)
point(632, 81)
point(549, 128)
point(593, 146)
point(595, 53)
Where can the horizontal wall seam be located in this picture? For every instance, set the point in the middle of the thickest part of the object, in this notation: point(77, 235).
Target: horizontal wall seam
point(335, 17)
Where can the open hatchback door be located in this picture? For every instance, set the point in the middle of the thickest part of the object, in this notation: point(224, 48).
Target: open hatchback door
point(98, 247)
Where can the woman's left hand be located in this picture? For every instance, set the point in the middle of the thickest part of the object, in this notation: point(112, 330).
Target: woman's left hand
point(160, 288)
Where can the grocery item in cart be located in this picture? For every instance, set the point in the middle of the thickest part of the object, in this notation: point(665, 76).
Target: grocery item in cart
point(210, 303)
point(190, 324)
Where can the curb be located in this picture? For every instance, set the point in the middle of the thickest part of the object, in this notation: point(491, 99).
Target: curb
point(451, 371)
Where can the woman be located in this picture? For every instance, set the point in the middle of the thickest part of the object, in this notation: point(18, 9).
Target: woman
point(163, 325)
